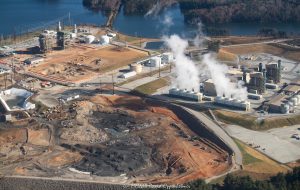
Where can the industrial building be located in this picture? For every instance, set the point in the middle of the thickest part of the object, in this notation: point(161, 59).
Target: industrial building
point(90, 39)
point(257, 82)
point(209, 88)
point(167, 58)
point(4, 69)
point(154, 62)
point(233, 103)
point(128, 75)
point(15, 99)
point(105, 39)
point(191, 95)
point(277, 104)
point(138, 68)
point(291, 89)
point(47, 42)
point(6, 51)
point(274, 72)
point(236, 75)
point(63, 39)
point(34, 60)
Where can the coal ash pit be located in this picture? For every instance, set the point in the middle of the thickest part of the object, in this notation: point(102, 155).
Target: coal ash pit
point(119, 158)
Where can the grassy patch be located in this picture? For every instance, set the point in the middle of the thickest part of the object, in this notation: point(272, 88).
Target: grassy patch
point(152, 87)
point(247, 158)
point(250, 122)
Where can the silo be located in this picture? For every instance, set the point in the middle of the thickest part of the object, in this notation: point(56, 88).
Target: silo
point(138, 68)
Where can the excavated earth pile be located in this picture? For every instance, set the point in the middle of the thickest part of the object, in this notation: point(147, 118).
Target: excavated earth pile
point(111, 136)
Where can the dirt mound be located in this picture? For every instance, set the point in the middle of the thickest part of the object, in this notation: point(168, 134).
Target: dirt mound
point(58, 159)
point(165, 112)
point(39, 137)
point(15, 135)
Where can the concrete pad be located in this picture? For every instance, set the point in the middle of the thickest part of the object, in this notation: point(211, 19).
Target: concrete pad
point(275, 143)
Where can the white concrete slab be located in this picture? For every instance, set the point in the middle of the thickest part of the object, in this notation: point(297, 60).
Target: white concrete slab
point(275, 143)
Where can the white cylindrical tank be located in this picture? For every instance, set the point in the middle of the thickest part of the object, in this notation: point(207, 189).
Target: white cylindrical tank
point(155, 61)
point(127, 75)
point(294, 101)
point(104, 39)
point(285, 108)
point(138, 68)
point(89, 39)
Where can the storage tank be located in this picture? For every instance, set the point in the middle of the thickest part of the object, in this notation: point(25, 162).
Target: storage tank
point(294, 101)
point(155, 62)
point(167, 57)
point(127, 75)
point(138, 68)
point(285, 108)
point(104, 39)
point(298, 98)
point(89, 39)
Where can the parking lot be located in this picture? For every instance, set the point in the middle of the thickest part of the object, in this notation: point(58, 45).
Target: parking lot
point(275, 143)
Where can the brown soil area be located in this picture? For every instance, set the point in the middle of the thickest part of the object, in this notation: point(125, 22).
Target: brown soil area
point(82, 62)
point(39, 137)
point(13, 136)
point(59, 159)
point(121, 134)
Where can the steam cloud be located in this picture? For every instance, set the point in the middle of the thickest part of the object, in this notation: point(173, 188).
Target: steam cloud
point(224, 86)
point(188, 72)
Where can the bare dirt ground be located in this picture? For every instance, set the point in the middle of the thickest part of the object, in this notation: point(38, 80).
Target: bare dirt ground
point(231, 40)
point(110, 136)
point(273, 49)
point(83, 62)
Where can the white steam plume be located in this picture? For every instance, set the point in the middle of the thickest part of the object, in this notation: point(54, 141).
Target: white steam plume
point(154, 10)
point(187, 75)
point(167, 20)
point(224, 86)
point(187, 71)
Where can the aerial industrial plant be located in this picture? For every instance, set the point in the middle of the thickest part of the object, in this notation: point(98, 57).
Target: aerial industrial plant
point(89, 103)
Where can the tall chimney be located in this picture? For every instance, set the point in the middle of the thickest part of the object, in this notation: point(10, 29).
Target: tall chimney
point(265, 74)
point(260, 67)
point(59, 27)
point(244, 76)
point(75, 29)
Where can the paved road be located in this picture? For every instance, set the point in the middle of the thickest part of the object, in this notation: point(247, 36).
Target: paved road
point(217, 130)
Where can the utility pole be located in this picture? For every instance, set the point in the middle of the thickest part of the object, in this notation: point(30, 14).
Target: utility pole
point(158, 70)
point(113, 83)
point(69, 19)
point(5, 78)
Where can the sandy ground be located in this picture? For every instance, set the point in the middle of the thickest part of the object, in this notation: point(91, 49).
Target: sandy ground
point(83, 62)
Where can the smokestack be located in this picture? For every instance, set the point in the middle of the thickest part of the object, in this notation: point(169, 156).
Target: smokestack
point(75, 29)
point(265, 74)
point(260, 67)
point(279, 64)
point(59, 27)
point(244, 76)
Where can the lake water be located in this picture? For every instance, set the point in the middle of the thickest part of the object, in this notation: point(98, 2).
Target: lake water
point(21, 15)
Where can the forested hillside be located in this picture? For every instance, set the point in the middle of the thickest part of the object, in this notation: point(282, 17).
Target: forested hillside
point(212, 11)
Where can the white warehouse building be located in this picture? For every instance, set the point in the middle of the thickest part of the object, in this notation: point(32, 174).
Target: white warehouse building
point(104, 40)
point(155, 62)
point(167, 57)
point(128, 74)
point(196, 96)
